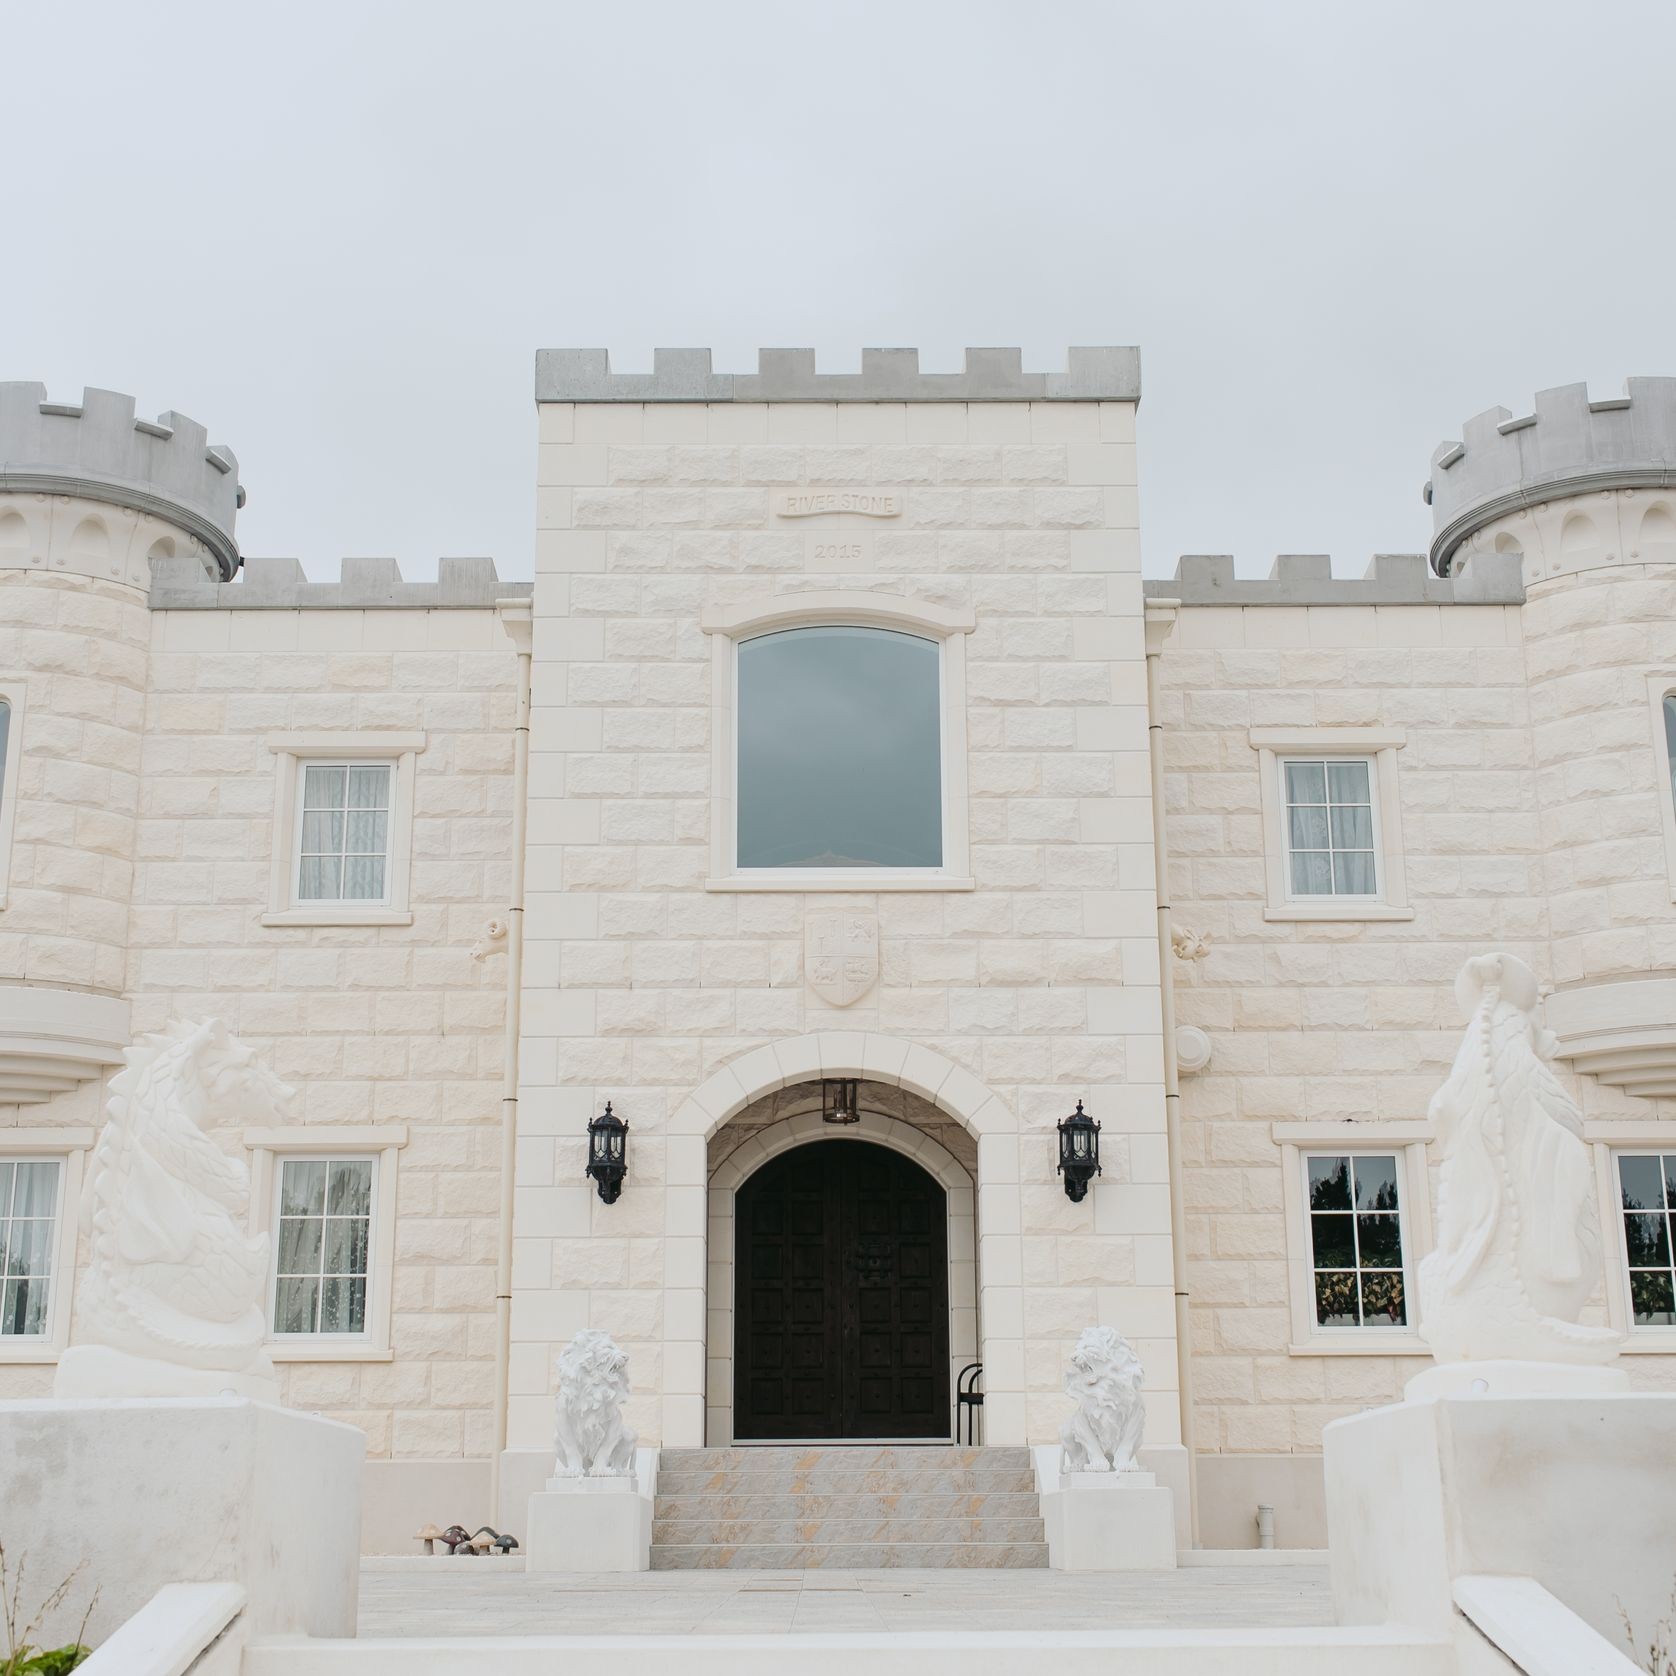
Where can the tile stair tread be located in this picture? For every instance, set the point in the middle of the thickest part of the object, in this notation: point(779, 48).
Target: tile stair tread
point(882, 1504)
point(862, 1477)
point(735, 1532)
point(852, 1556)
point(907, 1454)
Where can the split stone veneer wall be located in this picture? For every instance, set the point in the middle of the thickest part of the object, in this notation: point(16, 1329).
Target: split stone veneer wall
point(1001, 1003)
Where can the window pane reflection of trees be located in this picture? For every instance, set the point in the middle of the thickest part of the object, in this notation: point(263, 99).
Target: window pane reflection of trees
point(1647, 1190)
point(1355, 1232)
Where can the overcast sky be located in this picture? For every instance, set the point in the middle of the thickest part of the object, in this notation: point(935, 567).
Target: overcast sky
point(337, 233)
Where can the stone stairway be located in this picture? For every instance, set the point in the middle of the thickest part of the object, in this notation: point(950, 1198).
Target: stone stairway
point(852, 1506)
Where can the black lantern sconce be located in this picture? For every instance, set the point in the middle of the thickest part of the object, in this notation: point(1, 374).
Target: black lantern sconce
point(1079, 1152)
point(608, 1153)
point(838, 1101)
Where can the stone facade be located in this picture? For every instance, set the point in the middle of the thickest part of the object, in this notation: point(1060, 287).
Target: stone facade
point(1512, 706)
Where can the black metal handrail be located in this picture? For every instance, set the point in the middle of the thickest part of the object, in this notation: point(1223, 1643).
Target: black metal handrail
point(968, 1398)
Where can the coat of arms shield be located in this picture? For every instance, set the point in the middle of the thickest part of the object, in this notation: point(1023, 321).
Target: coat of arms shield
point(841, 955)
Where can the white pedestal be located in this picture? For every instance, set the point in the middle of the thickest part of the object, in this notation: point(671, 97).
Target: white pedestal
point(1577, 1491)
point(156, 1490)
point(1110, 1521)
point(589, 1524)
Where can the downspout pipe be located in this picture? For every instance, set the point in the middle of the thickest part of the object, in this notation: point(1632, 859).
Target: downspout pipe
point(517, 618)
point(1160, 620)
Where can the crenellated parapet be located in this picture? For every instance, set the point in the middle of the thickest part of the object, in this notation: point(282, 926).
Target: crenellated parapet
point(1109, 374)
point(97, 450)
point(1567, 446)
point(1308, 579)
point(362, 585)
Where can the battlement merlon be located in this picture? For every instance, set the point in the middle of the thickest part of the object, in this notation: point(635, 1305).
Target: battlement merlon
point(180, 584)
point(789, 375)
point(1568, 445)
point(1307, 579)
point(98, 449)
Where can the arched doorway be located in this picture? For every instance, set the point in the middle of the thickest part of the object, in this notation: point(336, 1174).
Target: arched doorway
point(841, 1297)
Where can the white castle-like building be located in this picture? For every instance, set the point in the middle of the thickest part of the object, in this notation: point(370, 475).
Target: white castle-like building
point(840, 806)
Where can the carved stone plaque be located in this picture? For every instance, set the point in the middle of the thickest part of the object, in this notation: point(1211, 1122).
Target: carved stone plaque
point(815, 503)
point(841, 955)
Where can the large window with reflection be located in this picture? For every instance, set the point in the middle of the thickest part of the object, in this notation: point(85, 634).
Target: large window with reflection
point(839, 750)
point(1356, 1240)
point(1647, 1194)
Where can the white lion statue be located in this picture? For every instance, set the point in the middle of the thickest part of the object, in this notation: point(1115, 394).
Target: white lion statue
point(1105, 1378)
point(172, 1303)
point(591, 1439)
point(1518, 1229)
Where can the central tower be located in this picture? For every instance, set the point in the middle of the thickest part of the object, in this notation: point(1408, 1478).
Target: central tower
point(840, 826)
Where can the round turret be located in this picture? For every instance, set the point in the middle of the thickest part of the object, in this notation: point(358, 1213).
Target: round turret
point(175, 494)
point(1514, 484)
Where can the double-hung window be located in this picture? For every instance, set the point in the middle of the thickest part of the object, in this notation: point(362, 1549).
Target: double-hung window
point(343, 836)
point(343, 828)
point(325, 1195)
point(1357, 1223)
point(1355, 1239)
point(1331, 823)
point(1330, 849)
point(1647, 1195)
point(31, 1208)
point(323, 1246)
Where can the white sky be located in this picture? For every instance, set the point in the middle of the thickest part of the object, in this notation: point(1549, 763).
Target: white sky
point(337, 233)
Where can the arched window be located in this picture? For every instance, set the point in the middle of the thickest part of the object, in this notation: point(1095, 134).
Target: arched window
point(840, 745)
point(840, 749)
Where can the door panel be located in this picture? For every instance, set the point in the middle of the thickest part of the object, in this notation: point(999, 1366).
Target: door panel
point(841, 1314)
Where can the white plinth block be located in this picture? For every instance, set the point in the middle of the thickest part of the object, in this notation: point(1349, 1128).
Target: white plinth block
point(1110, 1521)
point(1577, 1491)
point(589, 1524)
point(152, 1491)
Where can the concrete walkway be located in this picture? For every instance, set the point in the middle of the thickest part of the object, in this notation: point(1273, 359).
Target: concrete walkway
point(457, 1598)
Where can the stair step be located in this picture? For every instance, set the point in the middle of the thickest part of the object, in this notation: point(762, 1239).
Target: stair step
point(778, 1456)
point(763, 1530)
point(849, 1556)
point(835, 1481)
point(851, 1504)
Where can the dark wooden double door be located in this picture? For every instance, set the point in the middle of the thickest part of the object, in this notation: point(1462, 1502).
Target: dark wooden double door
point(841, 1325)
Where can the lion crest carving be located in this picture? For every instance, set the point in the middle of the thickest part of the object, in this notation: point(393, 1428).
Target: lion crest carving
point(590, 1437)
point(1105, 1378)
point(1518, 1226)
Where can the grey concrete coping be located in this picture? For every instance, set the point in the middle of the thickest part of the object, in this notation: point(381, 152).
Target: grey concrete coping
point(790, 375)
point(97, 449)
point(1307, 579)
point(180, 584)
point(1569, 445)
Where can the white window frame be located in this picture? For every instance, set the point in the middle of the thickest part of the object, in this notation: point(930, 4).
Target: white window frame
point(291, 752)
point(1407, 1141)
point(68, 1149)
point(1376, 746)
point(12, 693)
point(1609, 1138)
point(856, 608)
point(382, 1142)
point(1659, 687)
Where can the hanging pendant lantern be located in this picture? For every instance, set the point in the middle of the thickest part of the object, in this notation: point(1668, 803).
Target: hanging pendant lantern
point(838, 1101)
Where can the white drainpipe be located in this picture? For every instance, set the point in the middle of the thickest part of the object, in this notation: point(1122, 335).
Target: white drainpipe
point(1160, 620)
point(517, 618)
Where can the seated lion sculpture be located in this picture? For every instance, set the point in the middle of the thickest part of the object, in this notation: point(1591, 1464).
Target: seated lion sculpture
point(1105, 1378)
point(590, 1437)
